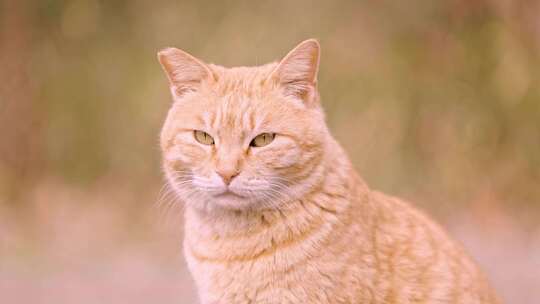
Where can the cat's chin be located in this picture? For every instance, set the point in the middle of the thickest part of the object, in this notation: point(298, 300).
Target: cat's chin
point(232, 201)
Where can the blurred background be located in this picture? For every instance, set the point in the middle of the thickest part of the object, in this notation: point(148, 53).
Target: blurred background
point(436, 101)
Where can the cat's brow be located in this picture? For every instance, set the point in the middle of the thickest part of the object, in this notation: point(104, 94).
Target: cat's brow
point(207, 119)
point(202, 120)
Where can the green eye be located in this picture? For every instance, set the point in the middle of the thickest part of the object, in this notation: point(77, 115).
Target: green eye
point(262, 140)
point(203, 137)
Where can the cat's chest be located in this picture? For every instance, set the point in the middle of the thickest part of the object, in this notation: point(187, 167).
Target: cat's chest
point(309, 263)
point(293, 275)
point(264, 279)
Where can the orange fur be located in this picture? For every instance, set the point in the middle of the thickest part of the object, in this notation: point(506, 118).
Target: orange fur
point(296, 224)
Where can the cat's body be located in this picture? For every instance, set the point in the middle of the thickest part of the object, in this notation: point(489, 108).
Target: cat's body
point(290, 221)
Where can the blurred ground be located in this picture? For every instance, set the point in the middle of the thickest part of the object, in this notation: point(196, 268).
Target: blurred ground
point(436, 102)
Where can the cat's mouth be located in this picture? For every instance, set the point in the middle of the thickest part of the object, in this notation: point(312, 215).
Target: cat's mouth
point(228, 194)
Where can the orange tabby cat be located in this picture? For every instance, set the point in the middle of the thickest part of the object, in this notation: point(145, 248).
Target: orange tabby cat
point(275, 212)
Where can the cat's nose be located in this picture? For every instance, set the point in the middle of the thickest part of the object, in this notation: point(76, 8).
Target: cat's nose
point(227, 175)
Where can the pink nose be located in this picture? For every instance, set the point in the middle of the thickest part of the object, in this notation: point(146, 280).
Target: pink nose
point(227, 175)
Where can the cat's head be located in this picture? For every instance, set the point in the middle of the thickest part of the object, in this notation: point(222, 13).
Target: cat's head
point(246, 137)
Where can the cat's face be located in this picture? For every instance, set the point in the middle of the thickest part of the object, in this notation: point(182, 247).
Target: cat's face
point(244, 137)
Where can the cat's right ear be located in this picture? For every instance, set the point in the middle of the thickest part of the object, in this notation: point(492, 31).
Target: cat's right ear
point(297, 72)
point(184, 71)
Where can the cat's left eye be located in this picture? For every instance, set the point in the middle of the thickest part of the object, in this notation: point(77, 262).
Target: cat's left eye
point(262, 140)
point(203, 137)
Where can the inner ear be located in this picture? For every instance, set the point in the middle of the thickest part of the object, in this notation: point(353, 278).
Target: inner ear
point(185, 72)
point(297, 71)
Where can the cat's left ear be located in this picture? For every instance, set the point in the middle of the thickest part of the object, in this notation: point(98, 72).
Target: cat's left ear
point(297, 72)
point(185, 72)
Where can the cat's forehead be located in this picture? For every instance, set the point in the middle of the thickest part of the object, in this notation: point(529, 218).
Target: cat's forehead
point(240, 81)
point(240, 101)
point(236, 114)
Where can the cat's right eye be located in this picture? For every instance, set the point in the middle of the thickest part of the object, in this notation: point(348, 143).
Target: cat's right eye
point(262, 139)
point(203, 137)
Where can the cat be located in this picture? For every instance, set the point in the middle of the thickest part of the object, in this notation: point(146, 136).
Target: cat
point(275, 212)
